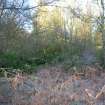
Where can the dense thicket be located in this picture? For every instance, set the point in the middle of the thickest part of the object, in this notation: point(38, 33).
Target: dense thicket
point(60, 35)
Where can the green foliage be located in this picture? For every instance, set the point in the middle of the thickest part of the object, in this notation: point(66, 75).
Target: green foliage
point(8, 59)
point(46, 55)
point(11, 60)
point(100, 58)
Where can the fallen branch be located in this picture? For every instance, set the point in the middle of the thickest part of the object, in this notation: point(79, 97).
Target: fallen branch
point(92, 99)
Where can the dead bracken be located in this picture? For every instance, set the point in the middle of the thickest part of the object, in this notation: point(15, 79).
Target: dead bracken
point(52, 86)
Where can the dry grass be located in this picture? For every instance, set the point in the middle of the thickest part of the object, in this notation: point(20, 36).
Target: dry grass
point(55, 87)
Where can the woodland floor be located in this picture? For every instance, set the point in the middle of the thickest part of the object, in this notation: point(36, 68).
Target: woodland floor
point(53, 86)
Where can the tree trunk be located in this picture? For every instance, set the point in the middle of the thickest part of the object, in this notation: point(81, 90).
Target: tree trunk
point(103, 29)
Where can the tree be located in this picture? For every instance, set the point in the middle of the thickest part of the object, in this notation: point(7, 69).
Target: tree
point(101, 23)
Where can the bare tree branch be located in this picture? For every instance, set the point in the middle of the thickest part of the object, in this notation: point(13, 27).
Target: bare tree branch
point(26, 8)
